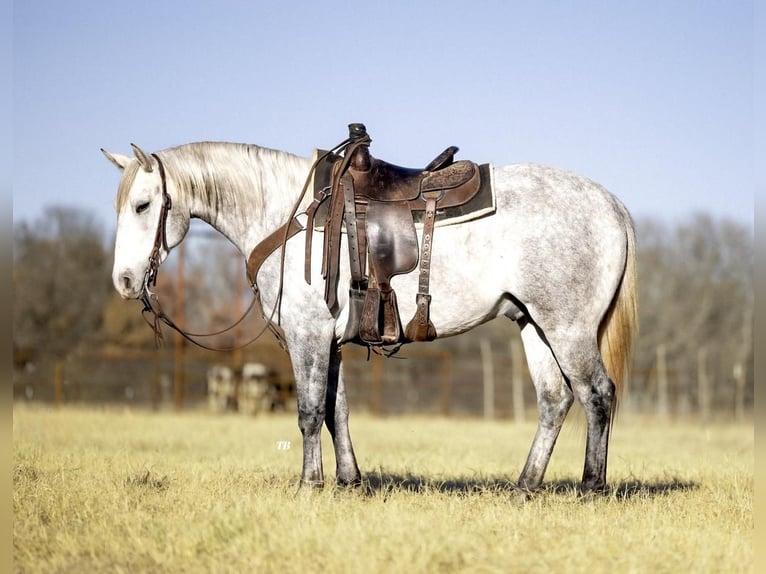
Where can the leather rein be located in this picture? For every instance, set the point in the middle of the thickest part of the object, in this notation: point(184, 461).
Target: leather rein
point(276, 240)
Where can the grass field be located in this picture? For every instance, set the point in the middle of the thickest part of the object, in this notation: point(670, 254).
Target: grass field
point(133, 491)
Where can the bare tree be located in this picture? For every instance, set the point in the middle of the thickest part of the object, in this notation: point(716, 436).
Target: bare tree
point(696, 298)
point(61, 280)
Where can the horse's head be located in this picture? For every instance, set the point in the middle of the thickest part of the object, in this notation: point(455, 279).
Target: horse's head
point(150, 221)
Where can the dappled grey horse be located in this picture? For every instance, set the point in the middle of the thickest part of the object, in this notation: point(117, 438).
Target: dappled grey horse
point(557, 257)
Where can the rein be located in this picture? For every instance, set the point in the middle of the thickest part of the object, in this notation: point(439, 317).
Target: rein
point(276, 240)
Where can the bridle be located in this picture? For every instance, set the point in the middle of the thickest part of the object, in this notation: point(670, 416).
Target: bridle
point(151, 300)
point(160, 235)
point(276, 240)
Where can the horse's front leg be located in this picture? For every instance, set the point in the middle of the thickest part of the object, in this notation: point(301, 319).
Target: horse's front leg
point(310, 356)
point(347, 471)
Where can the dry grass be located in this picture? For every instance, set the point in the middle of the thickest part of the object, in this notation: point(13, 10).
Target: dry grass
point(133, 491)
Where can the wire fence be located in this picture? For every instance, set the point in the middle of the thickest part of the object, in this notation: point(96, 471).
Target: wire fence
point(468, 377)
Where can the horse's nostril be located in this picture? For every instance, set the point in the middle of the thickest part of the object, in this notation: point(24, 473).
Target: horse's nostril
point(127, 282)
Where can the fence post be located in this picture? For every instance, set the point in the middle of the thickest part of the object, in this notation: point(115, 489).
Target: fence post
point(740, 366)
point(662, 382)
point(488, 376)
point(703, 383)
point(377, 385)
point(180, 347)
point(740, 377)
point(446, 384)
point(58, 382)
point(156, 389)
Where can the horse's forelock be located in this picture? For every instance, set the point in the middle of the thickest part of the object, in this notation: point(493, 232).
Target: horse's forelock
point(126, 183)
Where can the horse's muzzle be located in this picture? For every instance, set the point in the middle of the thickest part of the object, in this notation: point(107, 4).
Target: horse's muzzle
point(127, 285)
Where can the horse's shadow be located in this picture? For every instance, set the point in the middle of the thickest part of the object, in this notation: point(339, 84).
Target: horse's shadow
point(385, 483)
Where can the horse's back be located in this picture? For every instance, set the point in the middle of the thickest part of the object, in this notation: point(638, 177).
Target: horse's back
point(550, 196)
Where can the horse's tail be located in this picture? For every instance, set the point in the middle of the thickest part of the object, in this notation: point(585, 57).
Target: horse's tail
point(618, 331)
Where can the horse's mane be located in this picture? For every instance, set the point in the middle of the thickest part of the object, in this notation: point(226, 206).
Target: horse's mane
point(217, 174)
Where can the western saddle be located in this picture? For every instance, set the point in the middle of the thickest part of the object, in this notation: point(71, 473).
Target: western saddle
point(377, 203)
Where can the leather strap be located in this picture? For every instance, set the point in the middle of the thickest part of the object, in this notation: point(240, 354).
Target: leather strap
point(311, 211)
point(269, 245)
point(361, 230)
point(428, 237)
point(420, 328)
point(349, 206)
point(257, 257)
point(331, 254)
point(332, 240)
point(368, 322)
point(160, 235)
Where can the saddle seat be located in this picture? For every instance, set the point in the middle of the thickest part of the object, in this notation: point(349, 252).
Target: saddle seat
point(377, 180)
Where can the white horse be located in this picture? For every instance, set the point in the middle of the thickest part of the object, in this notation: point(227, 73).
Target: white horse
point(557, 257)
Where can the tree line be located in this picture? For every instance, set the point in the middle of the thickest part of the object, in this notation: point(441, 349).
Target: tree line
point(695, 302)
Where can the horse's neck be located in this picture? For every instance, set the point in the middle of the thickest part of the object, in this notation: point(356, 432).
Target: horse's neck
point(249, 208)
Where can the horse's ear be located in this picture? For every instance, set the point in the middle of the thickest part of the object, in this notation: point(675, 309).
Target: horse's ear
point(143, 158)
point(116, 158)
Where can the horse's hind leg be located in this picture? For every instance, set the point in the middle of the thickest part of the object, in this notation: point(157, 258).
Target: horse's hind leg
point(580, 361)
point(553, 402)
point(336, 419)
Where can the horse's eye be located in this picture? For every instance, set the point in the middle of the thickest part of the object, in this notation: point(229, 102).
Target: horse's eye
point(141, 207)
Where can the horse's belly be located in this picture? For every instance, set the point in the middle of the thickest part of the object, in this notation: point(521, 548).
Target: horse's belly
point(469, 277)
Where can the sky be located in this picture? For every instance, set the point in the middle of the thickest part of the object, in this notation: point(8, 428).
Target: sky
point(652, 99)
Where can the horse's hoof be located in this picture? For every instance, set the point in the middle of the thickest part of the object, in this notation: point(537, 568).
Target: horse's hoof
point(593, 492)
point(307, 487)
point(520, 496)
point(349, 484)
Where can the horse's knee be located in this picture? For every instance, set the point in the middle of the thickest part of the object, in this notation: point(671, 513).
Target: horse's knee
point(554, 404)
point(601, 391)
point(606, 388)
point(561, 396)
point(563, 402)
point(310, 420)
point(597, 398)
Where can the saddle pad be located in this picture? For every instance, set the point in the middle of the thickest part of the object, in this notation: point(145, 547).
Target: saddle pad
point(481, 205)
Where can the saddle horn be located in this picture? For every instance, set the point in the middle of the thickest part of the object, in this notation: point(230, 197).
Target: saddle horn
point(143, 158)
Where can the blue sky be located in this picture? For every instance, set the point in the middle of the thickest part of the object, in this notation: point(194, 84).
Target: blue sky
point(653, 99)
